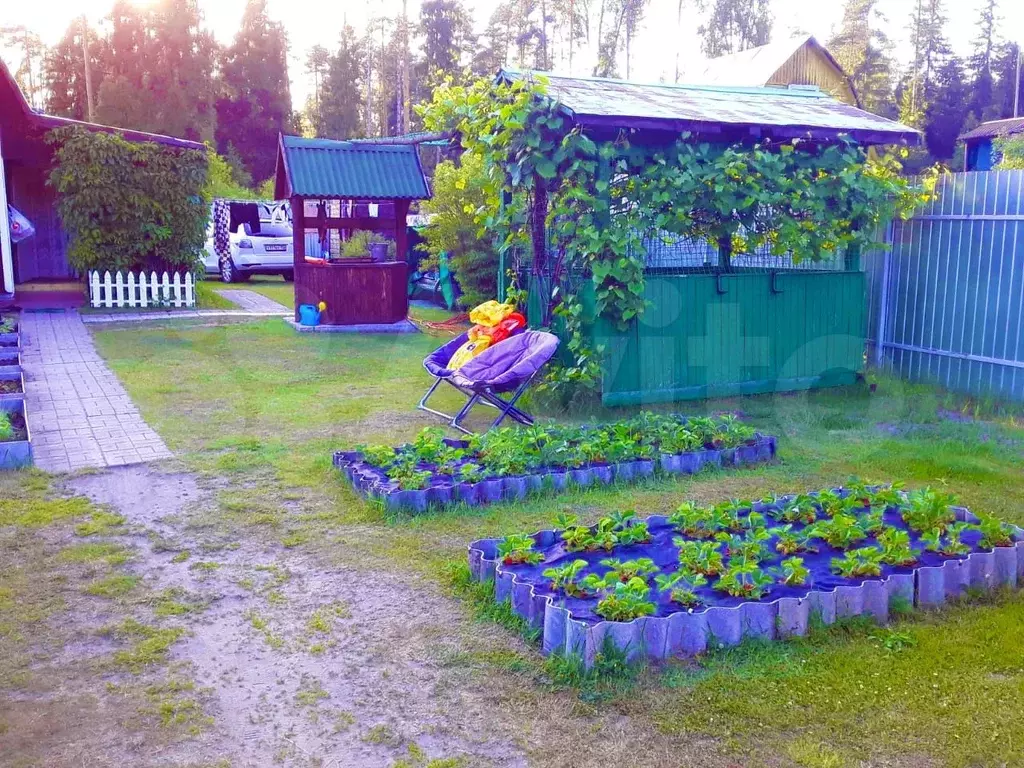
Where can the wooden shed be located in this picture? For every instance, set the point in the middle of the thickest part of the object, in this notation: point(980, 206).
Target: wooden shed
point(794, 62)
point(757, 323)
point(25, 163)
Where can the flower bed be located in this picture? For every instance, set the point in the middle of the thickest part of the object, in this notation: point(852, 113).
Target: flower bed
point(10, 360)
point(511, 462)
point(8, 331)
point(15, 448)
point(669, 586)
point(12, 385)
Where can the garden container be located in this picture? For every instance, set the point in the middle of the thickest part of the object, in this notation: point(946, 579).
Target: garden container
point(16, 453)
point(515, 487)
point(690, 463)
point(10, 360)
point(379, 252)
point(603, 474)
point(10, 339)
point(13, 396)
point(669, 463)
point(624, 471)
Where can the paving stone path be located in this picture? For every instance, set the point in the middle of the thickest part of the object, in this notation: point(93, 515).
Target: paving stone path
point(255, 302)
point(79, 414)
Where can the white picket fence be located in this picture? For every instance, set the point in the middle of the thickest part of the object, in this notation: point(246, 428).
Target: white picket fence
point(142, 291)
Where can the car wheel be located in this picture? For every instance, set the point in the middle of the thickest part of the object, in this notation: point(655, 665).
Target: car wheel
point(229, 272)
point(288, 276)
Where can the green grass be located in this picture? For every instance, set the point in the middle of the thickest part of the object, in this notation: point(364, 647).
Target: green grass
point(114, 586)
point(261, 409)
point(147, 645)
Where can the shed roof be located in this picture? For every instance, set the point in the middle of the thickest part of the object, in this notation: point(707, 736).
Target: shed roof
point(349, 169)
point(10, 91)
point(753, 66)
point(996, 128)
point(780, 113)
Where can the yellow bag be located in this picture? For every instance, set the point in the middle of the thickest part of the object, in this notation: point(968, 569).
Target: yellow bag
point(490, 313)
point(467, 352)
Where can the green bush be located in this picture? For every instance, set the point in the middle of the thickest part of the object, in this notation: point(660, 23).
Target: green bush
point(459, 191)
point(129, 205)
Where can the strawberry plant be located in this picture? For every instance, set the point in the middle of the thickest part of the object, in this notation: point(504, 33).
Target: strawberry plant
point(750, 546)
point(949, 545)
point(681, 587)
point(627, 570)
point(696, 522)
point(840, 532)
point(896, 549)
point(830, 502)
point(377, 455)
point(886, 497)
point(859, 563)
point(471, 473)
point(563, 578)
point(790, 542)
point(626, 601)
point(871, 522)
point(564, 521)
point(518, 548)
point(799, 510)
point(928, 509)
point(592, 584)
point(744, 578)
point(408, 477)
point(701, 557)
point(994, 533)
point(731, 514)
point(794, 572)
point(634, 534)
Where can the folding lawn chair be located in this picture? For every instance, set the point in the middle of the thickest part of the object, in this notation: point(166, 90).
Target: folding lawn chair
point(507, 368)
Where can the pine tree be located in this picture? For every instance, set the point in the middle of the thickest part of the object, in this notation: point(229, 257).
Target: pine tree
point(318, 60)
point(64, 73)
point(447, 30)
point(254, 71)
point(862, 51)
point(341, 100)
point(1005, 69)
point(948, 109)
point(735, 25)
point(27, 50)
point(981, 61)
point(930, 47)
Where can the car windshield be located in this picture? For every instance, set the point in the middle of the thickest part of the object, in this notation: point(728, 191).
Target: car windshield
point(282, 229)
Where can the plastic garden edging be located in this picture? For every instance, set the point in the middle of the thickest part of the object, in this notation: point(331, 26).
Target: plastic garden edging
point(371, 482)
point(687, 633)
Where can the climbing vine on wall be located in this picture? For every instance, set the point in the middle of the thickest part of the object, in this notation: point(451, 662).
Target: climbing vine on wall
point(127, 205)
point(591, 204)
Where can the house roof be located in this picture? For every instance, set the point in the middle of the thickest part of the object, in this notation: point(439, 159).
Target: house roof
point(996, 128)
point(779, 113)
point(348, 169)
point(753, 66)
point(37, 119)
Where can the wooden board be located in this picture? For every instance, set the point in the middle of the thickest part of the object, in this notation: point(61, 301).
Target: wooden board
point(354, 293)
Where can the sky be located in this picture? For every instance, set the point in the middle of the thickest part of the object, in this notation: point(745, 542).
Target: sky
point(312, 22)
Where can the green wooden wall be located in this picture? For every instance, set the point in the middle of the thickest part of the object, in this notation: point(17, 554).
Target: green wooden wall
point(707, 335)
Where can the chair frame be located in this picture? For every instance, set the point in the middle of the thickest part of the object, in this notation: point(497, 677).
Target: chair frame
point(485, 396)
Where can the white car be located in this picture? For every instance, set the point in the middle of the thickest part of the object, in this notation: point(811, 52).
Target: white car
point(260, 237)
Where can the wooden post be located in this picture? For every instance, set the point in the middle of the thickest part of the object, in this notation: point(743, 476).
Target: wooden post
point(298, 246)
point(401, 234)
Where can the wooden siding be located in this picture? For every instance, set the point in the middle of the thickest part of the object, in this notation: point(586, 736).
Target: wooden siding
point(809, 66)
point(44, 255)
point(354, 293)
point(742, 333)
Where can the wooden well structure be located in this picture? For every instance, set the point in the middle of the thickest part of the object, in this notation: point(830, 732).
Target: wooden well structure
point(349, 186)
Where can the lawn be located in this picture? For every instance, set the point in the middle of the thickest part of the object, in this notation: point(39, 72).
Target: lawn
point(257, 410)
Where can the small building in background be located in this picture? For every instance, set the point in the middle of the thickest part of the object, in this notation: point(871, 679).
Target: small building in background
point(980, 143)
point(794, 62)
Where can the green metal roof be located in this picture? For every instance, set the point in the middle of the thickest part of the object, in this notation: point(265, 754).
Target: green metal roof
point(349, 169)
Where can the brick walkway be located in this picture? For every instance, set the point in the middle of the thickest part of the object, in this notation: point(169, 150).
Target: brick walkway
point(255, 302)
point(79, 413)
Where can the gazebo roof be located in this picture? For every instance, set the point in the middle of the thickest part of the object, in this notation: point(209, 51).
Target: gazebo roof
point(361, 170)
point(707, 111)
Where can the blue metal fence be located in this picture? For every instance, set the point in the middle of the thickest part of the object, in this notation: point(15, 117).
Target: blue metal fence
point(946, 303)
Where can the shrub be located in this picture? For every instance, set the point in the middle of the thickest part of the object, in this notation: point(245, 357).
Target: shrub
point(128, 205)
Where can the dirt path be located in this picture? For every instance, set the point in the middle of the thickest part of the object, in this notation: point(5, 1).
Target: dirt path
point(304, 665)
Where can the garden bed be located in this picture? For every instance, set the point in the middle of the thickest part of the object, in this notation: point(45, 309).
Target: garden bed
point(675, 585)
point(8, 330)
point(15, 439)
point(12, 385)
point(510, 463)
point(10, 360)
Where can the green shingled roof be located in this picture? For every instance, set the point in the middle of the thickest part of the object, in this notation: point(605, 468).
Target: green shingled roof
point(348, 169)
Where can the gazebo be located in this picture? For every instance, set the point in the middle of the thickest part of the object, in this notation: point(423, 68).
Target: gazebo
point(349, 186)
